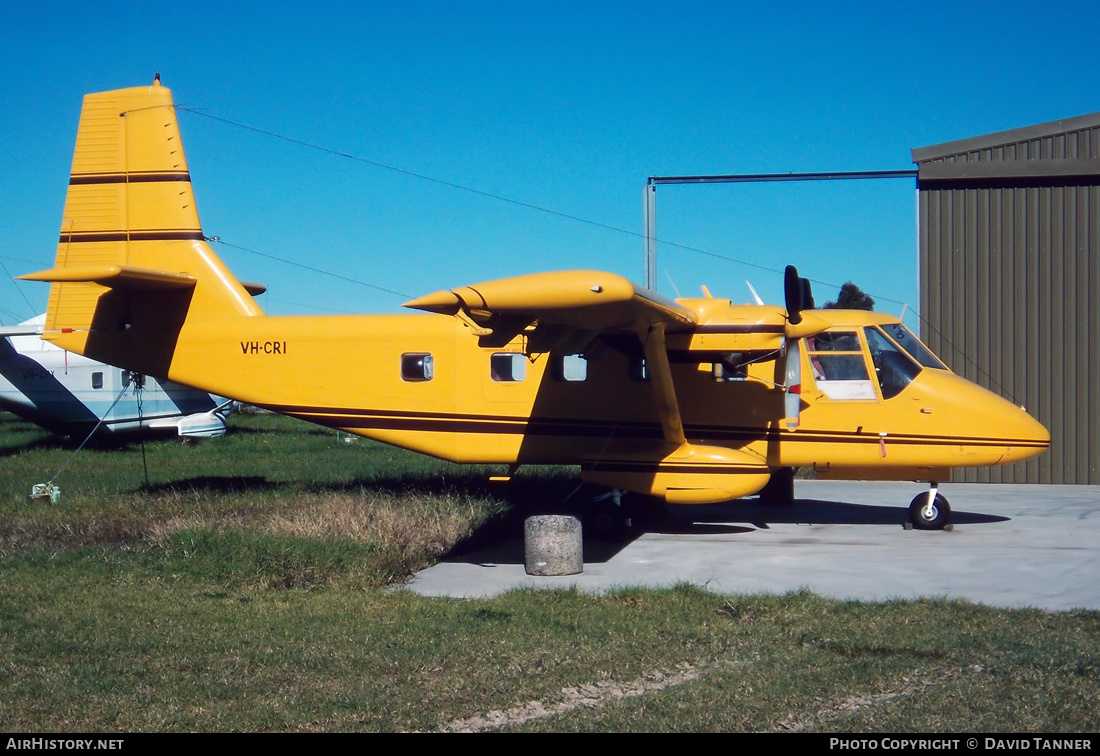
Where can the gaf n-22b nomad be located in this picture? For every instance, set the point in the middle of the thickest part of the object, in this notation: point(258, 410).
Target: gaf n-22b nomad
point(692, 401)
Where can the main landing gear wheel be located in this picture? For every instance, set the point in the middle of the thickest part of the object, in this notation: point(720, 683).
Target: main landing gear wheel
point(927, 515)
point(604, 517)
point(615, 514)
point(780, 488)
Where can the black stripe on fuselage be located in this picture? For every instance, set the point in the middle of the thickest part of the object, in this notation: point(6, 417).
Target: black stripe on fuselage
point(441, 422)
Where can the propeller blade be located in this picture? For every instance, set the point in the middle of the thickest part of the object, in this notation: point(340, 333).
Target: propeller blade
point(792, 294)
point(793, 385)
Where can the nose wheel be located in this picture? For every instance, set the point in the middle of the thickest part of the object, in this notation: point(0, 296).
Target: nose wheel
point(929, 511)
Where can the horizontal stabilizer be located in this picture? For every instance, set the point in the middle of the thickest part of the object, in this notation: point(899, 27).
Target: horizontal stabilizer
point(114, 276)
point(21, 330)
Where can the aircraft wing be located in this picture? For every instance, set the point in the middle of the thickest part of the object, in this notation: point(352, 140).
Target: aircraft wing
point(568, 309)
point(589, 301)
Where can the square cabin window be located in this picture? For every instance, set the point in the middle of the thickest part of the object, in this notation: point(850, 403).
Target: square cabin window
point(417, 366)
point(508, 367)
point(97, 380)
point(571, 368)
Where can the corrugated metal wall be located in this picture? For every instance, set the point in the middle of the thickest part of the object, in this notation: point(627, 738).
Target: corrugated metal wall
point(1010, 281)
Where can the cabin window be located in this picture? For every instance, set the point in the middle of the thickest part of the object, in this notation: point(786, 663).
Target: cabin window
point(571, 368)
point(416, 366)
point(894, 368)
point(507, 367)
point(839, 370)
point(97, 380)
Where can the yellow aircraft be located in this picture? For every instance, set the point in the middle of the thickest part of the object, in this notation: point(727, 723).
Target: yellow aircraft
point(692, 401)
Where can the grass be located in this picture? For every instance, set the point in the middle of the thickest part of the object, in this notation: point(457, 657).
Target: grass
point(250, 586)
point(277, 502)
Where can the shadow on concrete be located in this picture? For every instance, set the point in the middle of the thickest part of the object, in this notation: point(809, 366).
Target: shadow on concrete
point(811, 512)
point(500, 541)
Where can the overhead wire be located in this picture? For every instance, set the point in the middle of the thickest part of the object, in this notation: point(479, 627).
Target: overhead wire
point(529, 206)
point(490, 195)
point(219, 240)
point(480, 193)
point(16, 285)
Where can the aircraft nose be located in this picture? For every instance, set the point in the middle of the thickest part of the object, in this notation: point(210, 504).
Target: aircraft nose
point(1010, 427)
point(991, 429)
point(1027, 437)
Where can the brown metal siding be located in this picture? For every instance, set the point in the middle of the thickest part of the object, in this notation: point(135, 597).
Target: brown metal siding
point(1010, 281)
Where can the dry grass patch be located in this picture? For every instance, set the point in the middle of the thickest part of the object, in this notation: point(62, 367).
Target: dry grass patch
point(304, 540)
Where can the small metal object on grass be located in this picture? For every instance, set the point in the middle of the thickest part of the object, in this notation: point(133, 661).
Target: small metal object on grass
point(45, 491)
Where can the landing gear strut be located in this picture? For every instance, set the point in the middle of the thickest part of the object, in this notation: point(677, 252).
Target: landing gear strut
point(929, 511)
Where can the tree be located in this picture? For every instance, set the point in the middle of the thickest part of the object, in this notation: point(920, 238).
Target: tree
point(851, 297)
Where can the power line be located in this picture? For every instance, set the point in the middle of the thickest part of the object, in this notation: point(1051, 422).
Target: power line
point(218, 240)
point(487, 195)
point(16, 285)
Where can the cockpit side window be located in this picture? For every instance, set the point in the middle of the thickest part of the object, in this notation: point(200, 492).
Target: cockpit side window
point(839, 370)
point(895, 369)
point(905, 339)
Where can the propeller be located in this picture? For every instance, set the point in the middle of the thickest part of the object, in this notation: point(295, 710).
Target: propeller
point(799, 297)
point(797, 294)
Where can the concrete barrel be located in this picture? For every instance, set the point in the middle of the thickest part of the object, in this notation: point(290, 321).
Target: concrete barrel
point(553, 545)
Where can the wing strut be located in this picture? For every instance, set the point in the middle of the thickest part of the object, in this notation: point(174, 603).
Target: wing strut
point(656, 357)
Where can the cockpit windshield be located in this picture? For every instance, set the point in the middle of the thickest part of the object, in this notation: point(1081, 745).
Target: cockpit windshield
point(904, 338)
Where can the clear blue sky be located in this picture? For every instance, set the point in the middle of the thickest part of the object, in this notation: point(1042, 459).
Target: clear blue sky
point(567, 106)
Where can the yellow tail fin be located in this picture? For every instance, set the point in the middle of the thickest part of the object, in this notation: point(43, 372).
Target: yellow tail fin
point(132, 264)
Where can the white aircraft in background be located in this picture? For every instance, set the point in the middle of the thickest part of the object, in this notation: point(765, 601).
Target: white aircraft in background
point(72, 395)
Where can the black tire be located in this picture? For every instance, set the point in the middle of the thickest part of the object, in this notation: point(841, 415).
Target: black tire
point(780, 488)
point(929, 520)
point(603, 519)
point(645, 512)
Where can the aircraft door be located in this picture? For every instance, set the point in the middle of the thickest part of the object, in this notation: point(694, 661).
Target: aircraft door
point(838, 365)
point(841, 403)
